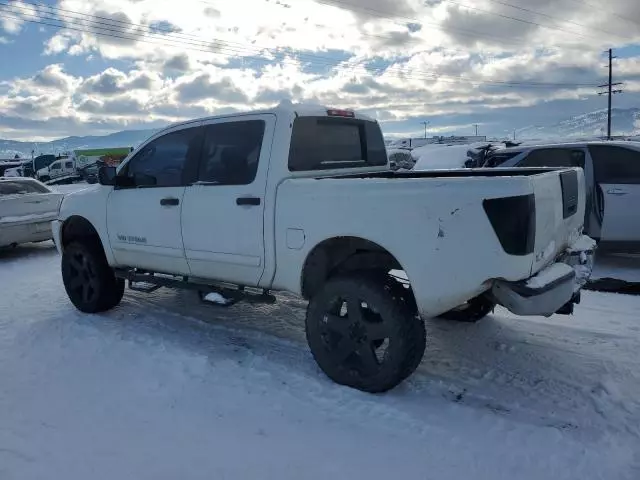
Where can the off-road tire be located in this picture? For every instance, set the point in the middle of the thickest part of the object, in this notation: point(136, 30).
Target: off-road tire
point(90, 283)
point(342, 343)
point(473, 311)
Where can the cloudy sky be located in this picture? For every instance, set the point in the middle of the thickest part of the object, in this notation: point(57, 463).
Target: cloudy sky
point(78, 67)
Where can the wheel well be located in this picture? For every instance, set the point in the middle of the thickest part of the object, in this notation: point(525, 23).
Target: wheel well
point(79, 229)
point(340, 255)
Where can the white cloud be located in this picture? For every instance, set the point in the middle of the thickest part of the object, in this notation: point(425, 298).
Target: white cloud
point(427, 59)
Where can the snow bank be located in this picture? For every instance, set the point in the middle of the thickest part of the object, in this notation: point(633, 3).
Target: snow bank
point(215, 297)
point(549, 275)
point(618, 267)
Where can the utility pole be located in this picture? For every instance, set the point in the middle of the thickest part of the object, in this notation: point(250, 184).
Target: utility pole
point(610, 92)
point(425, 123)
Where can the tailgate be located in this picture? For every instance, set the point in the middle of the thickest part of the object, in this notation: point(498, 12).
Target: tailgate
point(28, 207)
point(560, 208)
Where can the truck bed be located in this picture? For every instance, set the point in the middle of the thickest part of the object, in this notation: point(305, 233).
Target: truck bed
point(452, 231)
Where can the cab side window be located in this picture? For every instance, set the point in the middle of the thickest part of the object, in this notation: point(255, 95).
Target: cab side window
point(163, 161)
point(615, 164)
point(554, 157)
point(231, 152)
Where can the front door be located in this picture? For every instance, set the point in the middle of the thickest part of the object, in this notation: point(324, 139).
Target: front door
point(617, 173)
point(143, 219)
point(223, 212)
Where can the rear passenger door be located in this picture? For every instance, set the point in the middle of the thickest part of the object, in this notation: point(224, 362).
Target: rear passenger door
point(617, 174)
point(223, 211)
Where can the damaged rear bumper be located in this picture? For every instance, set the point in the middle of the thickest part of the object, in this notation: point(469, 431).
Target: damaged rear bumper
point(554, 289)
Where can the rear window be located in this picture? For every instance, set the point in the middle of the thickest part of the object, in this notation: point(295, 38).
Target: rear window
point(21, 187)
point(324, 143)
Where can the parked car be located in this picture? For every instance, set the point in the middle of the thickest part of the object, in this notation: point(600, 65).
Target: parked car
point(300, 198)
point(9, 166)
point(27, 208)
point(64, 167)
point(612, 175)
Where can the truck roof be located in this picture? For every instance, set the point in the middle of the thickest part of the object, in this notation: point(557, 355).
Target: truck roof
point(577, 144)
point(286, 107)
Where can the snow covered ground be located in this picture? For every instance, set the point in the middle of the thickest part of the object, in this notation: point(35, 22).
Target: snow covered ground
point(167, 387)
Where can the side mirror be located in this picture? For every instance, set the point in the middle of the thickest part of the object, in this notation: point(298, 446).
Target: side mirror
point(107, 175)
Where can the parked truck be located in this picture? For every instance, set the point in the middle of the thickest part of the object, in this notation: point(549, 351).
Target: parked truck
point(81, 165)
point(89, 161)
point(300, 198)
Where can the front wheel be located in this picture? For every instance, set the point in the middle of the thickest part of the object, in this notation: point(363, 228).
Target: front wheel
point(90, 283)
point(361, 336)
point(473, 311)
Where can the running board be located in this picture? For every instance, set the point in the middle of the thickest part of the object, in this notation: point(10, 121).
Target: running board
point(148, 282)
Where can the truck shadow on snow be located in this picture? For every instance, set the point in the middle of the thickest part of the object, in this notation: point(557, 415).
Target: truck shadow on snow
point(502, 366)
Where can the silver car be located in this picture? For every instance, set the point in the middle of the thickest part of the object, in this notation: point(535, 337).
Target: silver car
point(27, 208)
point(612, 174)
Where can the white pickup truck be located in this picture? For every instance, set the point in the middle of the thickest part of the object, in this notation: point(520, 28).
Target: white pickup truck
point(300, 198)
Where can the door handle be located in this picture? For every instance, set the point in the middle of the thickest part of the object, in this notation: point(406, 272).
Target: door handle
point(253, 201)
point(616, 191)
point(169, 202)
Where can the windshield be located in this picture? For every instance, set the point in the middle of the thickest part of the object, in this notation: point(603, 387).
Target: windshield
point(322, 143)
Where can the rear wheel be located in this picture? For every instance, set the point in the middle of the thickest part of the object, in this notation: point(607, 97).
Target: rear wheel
point(361, 336)
point(90, 283)
point(472, 311)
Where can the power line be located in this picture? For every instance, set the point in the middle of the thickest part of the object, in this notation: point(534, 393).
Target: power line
point(388, 16)
point(119, 32)
point(610, 91)
point(426, 124)
point(517, 7)
point(529, 22)
point(599, 7)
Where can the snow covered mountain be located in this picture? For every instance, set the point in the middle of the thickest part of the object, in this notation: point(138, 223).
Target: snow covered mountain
point(624, 122)
point(126, 138)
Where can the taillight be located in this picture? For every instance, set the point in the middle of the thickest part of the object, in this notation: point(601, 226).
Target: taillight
point(334, 112)
point(514, 221)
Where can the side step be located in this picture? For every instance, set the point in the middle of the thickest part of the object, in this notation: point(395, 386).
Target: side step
point(147, 282)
